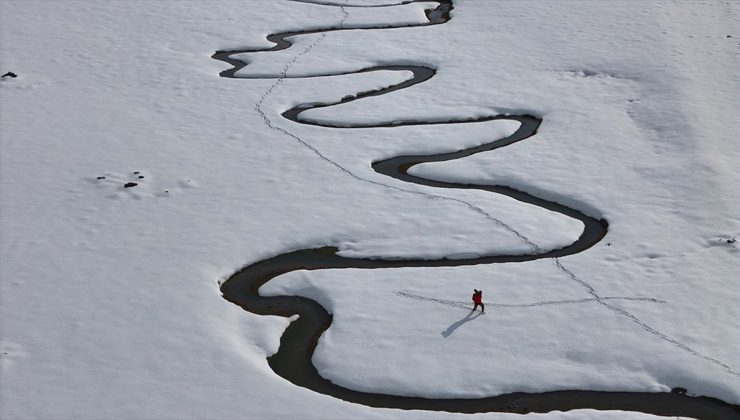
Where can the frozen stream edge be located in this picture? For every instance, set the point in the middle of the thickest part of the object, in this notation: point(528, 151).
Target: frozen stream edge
point(293, 359)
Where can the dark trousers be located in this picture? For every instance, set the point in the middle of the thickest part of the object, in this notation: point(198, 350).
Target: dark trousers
point(482, 307)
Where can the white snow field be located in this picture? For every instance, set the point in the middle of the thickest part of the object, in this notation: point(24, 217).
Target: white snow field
point(109, 296)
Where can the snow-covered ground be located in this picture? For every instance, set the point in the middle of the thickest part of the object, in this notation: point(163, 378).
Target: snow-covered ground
point(110, 304)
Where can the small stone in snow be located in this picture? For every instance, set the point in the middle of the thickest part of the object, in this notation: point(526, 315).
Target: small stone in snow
point(136, 173)
point(9, 74)
point(129, 184)
point(101, 177)
point(141, 176)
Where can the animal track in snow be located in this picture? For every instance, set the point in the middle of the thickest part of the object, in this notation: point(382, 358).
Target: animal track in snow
point(139, 184)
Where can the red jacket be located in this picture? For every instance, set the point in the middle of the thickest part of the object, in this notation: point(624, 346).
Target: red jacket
point(477, 298)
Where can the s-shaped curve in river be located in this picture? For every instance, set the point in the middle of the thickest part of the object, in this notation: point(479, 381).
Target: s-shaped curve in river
point(293, 359)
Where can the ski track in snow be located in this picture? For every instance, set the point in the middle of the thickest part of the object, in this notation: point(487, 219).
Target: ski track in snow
point(466, 305)
point(536, 250)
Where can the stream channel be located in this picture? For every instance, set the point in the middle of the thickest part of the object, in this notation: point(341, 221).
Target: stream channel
point(298, 342)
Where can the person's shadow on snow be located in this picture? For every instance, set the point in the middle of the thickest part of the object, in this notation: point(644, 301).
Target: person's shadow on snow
point(469, 317)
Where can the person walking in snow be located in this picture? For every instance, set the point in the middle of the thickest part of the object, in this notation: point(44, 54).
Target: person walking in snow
point(478, 300)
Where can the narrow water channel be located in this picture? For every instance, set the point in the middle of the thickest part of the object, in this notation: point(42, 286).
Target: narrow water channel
point(297, 344)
